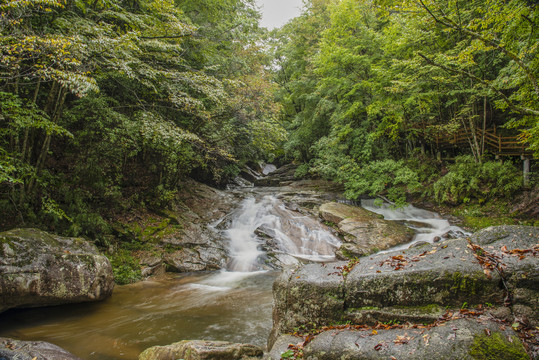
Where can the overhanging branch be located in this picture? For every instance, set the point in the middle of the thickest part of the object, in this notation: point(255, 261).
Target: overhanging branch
point(514, 107)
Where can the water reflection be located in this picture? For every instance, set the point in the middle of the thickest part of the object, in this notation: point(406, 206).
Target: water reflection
point(226, 306)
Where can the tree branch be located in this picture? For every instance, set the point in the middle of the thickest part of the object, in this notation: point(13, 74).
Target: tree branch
point(516, 108)
point(495, 43)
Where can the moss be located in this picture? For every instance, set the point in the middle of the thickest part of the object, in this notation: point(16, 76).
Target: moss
point(466, 284)
point(365, 308)
point(426, 309)
point(497, 347)
point(126, 268)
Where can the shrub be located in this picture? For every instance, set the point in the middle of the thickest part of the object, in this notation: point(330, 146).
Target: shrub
point(387, 177)
point(467, 180)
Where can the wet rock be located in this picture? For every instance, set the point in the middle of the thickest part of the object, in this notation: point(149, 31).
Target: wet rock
point(193, 234)
point(204, 203)
point(415, 285)
point(151, 264)
point(364, 231)
point(249, 174)
point(521, 268)
point(32, 350)
point(442, 275)
point(275, 178)
point(202, 350)
point(459, 339)
point(419, 244)
point(310, 294)
point(40, 269)
point(195, 259)
point(437, 239)
point(281, 346)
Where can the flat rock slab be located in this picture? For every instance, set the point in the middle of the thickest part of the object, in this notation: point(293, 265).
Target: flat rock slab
point(202, 350)
point(402, 285)
point(40, 269)
point(32, 350)
point(364, 232)
point(458, 339)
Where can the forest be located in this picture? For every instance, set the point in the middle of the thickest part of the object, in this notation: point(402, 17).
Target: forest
point(110, 105)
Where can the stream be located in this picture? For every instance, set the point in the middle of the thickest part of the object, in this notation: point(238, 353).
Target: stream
point(233, 304)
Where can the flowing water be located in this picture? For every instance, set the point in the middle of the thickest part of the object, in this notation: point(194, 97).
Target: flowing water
point(428, 226)
point(234, 304)
point(231, 305)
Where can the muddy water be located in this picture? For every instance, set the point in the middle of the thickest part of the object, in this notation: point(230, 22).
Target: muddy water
point(220, 306)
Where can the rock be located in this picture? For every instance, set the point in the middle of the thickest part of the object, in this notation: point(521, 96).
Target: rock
point(313, 293)
point(419, 244)
point(204, 203)
point(249, 174)
point(521, 268)
point(40, 269)
point(202, 350)
point(241, 182)
point(459, 339)
point(32, 350)
point(364, 231)
point(275, 178)
point(195, 259)
point(437, 239)
point(416, 285)
point(281, 346)
point(151, 264)
point(444, 276)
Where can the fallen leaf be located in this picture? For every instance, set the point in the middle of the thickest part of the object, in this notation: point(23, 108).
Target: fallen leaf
point(378, 347)
point(374, 332)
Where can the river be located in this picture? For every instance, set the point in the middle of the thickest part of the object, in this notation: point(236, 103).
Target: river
point(234, 304)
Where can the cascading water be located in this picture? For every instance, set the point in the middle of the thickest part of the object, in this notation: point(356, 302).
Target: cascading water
point(290, 236)
point(427, 225)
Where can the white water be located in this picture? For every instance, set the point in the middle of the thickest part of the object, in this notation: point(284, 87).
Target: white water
point(427, 224)
point(291, 235)
point(268, 169)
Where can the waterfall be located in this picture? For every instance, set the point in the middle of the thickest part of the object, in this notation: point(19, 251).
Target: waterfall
point(427, 224)
point(268, 224)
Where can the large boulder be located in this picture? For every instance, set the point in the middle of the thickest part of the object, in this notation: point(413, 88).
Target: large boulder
point(517, 250)
point(40, 269)
point(457, 339)
point(364, 232)
point(32, 350)
point(497, 267)
point(202, 350)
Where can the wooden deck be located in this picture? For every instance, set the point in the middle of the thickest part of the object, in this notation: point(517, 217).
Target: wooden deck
point(496, 144)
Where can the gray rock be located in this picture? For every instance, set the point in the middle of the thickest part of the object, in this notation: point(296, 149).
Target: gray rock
point(202, 350)
point(380, 288)
point(40, 269)
point(459, 339)
point(284, 174)
point(195, 259)
point(32, 350)
point(520, 269)
point(309, 295)
point(281, 346)
point(364, 232)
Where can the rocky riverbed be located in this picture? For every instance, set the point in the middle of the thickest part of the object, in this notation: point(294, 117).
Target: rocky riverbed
point(466, 298)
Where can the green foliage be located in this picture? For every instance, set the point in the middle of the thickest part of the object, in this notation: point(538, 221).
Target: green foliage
point(125, 267)
point(467, 180)
point(388, 177)
point(109, 105)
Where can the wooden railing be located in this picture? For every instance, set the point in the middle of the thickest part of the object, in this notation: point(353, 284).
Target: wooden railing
point(497, 144)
